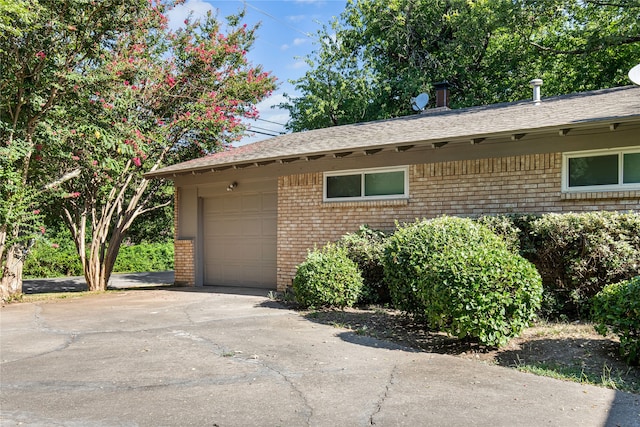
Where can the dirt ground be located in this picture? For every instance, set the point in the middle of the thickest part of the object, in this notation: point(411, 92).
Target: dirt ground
point(574, 349)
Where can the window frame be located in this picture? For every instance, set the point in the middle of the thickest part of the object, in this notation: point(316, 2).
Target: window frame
point(620, 186)
point(362, 173)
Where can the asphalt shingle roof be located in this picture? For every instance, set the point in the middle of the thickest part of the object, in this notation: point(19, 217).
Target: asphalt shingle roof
point(568, 111)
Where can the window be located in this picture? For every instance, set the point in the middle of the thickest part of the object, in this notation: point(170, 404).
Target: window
point(603, 170)
point(369, 184)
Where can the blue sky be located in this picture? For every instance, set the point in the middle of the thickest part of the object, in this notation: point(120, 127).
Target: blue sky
point(283, 39)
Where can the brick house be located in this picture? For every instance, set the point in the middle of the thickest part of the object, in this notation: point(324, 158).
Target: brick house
point(247, 217)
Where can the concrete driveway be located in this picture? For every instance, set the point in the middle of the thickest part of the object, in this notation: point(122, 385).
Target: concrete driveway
point(212, 357)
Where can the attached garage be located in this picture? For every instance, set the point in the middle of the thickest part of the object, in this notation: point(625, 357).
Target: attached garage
point(239, 239)
point(247, 217)
point(230, 229)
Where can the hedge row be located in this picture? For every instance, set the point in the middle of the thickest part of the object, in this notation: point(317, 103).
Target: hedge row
point(451, 273)
point(47, 260)
point(576, 255)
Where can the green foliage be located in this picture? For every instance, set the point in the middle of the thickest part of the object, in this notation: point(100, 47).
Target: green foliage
point(505, 227)
point(327, 278)
point(366, 249)
point(389, 51)
point(459, 277)
point(12, 12)
point(145, 257)
point(577, 254)
point(57, 257)
point(47, 259)
point(616, 308)
point(99, 93)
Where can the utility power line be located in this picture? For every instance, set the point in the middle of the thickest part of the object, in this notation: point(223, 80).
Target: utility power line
point(276, 19)
point(262, 133)
point(269, 121)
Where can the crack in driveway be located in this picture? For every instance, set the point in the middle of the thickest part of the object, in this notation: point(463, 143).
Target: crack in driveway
point(384, 395)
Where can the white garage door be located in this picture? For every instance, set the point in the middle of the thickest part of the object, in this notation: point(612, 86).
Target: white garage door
point(240, 239)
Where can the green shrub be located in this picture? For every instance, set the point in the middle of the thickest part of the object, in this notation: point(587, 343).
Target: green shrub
point(505, 227)
point(617, 308)
point(459, 277)
point(578, 254)
point(144, 257)
point(366, 249)
point(47, 259)
point(327, 278)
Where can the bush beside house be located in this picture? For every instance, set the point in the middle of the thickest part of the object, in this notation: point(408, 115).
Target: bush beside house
point(366, 248)
point(459, 277)
point(327, 278)
point(617, 309)
point(576, 254)
point(443, 277)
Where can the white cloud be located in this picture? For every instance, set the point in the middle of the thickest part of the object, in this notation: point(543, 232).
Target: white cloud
point(296, 18)
point(299, 41)
point(195, 8)
point(275, 115)
point(297, 65)
point(296, 42)
point(275, 99)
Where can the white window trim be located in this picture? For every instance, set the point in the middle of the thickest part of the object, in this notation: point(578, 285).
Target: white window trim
point(362, 172)
point(598, 188)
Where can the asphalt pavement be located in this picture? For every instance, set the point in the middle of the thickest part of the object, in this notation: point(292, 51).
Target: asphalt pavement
point(116, 281)
point(232, 357)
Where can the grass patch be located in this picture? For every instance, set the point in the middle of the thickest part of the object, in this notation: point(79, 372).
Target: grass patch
point(54, 296)
point(608, 378)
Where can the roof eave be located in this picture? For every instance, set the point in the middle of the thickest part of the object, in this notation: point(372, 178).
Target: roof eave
point(563, 129)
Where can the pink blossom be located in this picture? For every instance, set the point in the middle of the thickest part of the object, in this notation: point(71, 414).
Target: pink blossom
point(74, 195)
point(94, 163)
point(75, 158)
point(170, 81)
point(36, 212)
point(41, 55)
point(55, 245)
point(42, 229)
point(137, 161)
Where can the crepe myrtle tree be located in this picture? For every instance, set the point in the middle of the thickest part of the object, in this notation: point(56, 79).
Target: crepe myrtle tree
point(158, 97)
point(46, 48)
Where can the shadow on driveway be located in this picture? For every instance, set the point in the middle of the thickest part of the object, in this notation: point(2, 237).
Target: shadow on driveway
point(117, 281)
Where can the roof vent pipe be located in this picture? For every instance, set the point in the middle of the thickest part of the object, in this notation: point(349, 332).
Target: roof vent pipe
point(442, 94)
point(535, 84)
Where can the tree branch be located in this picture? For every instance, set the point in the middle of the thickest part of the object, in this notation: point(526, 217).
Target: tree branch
point(64, 178)
point(589, 48)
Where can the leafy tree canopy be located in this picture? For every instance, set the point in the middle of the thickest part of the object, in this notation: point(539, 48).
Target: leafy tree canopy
point(377, 55)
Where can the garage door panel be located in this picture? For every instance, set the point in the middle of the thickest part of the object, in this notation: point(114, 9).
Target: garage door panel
point(251, 203)
point(269, 228)
point(240, 232)
point(252, 228)
point(231, 204)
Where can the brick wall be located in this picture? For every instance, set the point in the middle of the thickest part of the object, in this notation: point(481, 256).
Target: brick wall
point(184, 266)
point(518, 184)
point(184, 251)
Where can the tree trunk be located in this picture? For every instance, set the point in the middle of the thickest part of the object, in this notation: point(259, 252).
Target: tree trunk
point(11, 281)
